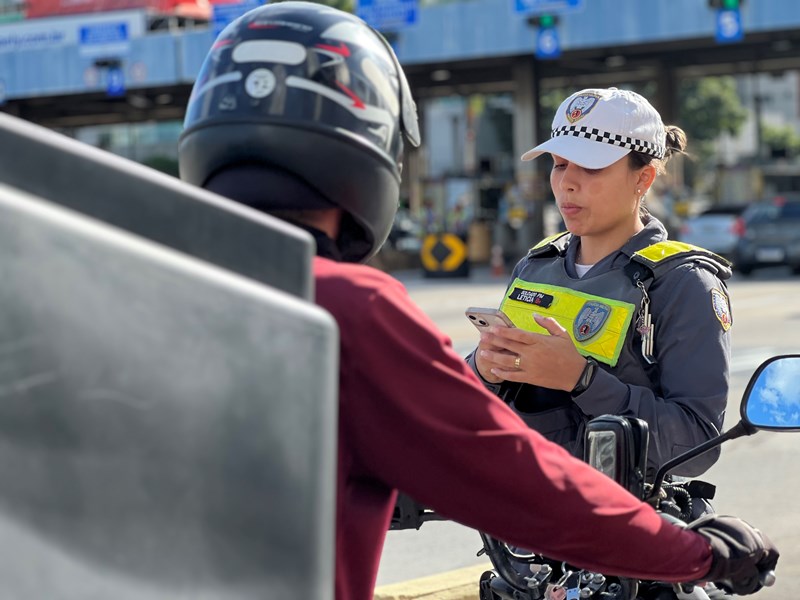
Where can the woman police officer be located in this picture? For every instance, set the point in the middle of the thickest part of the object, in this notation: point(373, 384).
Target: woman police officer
point(612, 317)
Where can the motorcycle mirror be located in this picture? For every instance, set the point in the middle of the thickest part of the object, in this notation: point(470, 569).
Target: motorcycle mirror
point(603, 452)
point(771, 401)
point(617, 447)
point(772, 398)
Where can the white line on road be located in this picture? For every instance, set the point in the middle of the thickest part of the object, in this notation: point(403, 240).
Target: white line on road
point(747, 360)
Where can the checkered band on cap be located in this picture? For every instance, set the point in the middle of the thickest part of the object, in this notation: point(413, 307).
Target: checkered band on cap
point(598, 135)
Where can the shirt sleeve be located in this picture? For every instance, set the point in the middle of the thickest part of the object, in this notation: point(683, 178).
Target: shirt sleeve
point(692, 348)
point(492, 387)
point(420, 421)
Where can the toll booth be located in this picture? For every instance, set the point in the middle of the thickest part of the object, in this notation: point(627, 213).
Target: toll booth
point(160, 435)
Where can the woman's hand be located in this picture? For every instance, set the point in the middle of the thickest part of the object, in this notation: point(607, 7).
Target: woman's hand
point(486, 356)
point(545, 359)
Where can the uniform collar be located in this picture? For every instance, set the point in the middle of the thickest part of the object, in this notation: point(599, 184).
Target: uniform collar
point(652, 232)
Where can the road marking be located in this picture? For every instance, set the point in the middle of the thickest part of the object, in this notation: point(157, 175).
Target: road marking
point(746, 361)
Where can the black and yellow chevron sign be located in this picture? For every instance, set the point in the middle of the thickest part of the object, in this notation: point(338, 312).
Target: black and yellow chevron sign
point(444, 254)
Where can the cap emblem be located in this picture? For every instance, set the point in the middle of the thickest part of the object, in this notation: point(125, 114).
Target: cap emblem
point(580, 106)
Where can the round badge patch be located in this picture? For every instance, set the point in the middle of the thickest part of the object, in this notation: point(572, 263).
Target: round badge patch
point(259, 83)
point(590, 320)
point(721, 308)
point(580, 106)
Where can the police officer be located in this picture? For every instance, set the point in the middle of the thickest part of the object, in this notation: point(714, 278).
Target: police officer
point(300, 110)
point(613, 318)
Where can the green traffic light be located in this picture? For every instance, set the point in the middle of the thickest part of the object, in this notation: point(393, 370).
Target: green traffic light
point(546, 21)
point(730, 4)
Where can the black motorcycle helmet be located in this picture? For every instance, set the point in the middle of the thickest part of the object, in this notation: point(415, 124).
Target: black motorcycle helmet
point(301, 106)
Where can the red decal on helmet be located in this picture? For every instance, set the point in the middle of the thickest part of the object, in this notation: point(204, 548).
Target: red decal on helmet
point(357, 102)
point(340, 49)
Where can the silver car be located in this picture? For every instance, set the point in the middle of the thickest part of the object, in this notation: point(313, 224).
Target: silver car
point(769, 236)
point(714, 229)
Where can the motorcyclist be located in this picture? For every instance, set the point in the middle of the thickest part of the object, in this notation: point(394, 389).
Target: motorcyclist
point(300, 111)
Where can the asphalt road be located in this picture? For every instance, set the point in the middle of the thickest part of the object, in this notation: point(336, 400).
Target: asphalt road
point(755, 477)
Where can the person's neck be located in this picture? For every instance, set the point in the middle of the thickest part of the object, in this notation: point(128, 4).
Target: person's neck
point(327, 221)
point(595, 248)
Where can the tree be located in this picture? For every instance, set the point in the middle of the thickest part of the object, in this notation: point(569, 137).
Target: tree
point(345, 5)
point(781, 141)
point(707, 107)
point(710, 106)
point(165, 164)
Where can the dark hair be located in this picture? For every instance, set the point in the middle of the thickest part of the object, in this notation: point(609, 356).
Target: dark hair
point(676, 143)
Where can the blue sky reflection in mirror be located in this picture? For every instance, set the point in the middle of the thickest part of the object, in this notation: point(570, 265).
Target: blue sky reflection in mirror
point(774, 398)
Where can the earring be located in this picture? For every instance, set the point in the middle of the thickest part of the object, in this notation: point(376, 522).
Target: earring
point(639, 191)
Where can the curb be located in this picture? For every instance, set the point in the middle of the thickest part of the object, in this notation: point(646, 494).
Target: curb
point(461, 584)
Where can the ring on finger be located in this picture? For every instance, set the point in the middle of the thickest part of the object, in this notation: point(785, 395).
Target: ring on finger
point(516, 362)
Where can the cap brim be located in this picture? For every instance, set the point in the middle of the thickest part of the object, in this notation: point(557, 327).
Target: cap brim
point(585, 153)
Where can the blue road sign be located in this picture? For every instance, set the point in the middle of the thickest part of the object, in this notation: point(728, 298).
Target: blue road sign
point(223, 14)
point(104, 39)
point(547, 6)
point(729, 26)
point(115, 82)
point(547, 44)
point(388, 15)
point(104, 33)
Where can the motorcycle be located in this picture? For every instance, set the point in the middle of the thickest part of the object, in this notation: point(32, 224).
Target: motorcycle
point(617, 446)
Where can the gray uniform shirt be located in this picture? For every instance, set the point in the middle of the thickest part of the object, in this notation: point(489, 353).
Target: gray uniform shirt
point(686, 404)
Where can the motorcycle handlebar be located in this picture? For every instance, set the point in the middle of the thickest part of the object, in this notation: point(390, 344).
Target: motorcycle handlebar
point(767, 578)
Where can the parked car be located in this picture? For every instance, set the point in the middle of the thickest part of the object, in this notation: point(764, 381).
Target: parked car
point(714, 229)
point(406, 233)
point(769, 234)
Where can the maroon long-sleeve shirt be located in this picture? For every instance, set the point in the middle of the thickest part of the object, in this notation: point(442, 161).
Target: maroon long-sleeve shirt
point(413, 417)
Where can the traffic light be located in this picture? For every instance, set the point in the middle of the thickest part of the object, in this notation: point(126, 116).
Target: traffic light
point(548, 45)
point(545, 21)
point(725, 4)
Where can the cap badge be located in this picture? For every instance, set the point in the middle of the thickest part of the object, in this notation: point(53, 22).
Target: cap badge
point(580, 106)
point(590, 320)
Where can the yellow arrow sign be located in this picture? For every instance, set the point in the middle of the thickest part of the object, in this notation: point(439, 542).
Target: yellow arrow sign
point(456, 257)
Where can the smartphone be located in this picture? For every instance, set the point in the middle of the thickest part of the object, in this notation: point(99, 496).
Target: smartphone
point(484, 317)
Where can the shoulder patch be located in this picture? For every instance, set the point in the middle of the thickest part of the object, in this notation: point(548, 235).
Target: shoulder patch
point(665, 255)
point(664, 250)
point(554, 244)
point(549, 240)
point(721, 306)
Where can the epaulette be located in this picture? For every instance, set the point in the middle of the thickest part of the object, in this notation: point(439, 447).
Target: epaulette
point(551, 246)
point(663, 256)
